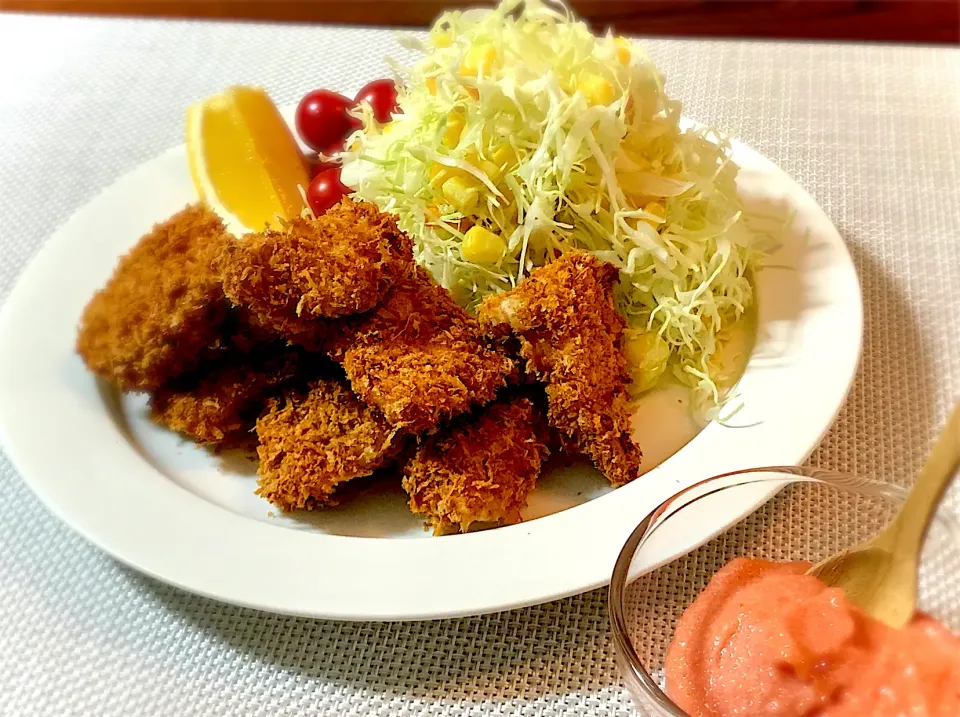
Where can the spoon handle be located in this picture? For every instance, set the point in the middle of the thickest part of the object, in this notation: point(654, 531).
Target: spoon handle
point(909, 529)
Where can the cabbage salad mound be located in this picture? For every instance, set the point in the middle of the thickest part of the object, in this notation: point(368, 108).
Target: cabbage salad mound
point(521, 135)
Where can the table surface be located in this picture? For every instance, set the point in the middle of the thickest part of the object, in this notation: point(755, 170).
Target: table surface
point(873, 132)
point(934, 21)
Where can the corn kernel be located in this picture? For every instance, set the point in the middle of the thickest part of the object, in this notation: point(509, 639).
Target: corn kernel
point(455, 124)
point(657, 209)
point(482, 246)
point(490, 169)
point(596, 89)
point(505, 158)
point(431, 83)
point(622, 47)
point(484, 165)
point(647, 356)
point(472, 92)
point(461, 193)
point(479, 60)
point(440, 173)
point(442, 39)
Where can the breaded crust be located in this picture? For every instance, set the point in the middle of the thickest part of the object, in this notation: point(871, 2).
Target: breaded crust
point(418, 357)
point(241, 333)
point(225, 397)
point(342, 263)
point(480, 470)
point(312, 442)
point(161, 307)
point(570, 335)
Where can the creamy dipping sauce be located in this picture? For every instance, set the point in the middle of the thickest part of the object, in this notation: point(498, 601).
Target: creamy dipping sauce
point(765, 639)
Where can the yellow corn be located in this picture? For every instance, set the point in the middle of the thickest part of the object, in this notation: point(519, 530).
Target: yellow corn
point(472, 92)
point(505, 159)
point(484, 165)
point(440, 173)
point(622, 47)
point(442, 39)
point(647, 355)
point(490, 169)
point(461, 193)
point(431, 83)
point(482, 246)
point(657, 209)
point(479, 60)
point(455, 124)
point(596, 89)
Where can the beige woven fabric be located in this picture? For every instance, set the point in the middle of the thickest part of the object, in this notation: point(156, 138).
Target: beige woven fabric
point(872, 132)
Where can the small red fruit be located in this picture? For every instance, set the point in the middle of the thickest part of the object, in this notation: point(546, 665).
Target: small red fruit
point(325, 190)
point(382, 98)
point(322, 121)
point(315, 165)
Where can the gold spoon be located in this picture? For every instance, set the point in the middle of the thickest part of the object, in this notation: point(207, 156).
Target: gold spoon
point(880, 575)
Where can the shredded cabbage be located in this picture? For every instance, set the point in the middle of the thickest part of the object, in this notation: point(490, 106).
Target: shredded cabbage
point(518, 119)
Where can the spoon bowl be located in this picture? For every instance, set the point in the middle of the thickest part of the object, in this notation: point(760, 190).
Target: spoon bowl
point(863, 572)
point(880, 575)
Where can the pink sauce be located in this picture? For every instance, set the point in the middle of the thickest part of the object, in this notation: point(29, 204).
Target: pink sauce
point(765, 639)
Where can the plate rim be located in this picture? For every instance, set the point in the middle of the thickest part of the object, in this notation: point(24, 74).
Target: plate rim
point(33, 466)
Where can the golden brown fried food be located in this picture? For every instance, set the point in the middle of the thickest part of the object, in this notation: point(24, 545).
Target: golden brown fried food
point(342, 263)
point(311, 443)
point(418, 357)
point(570, 335)
point(162, 306)
point(224, 397)
point(480, 471)
point(240, 333)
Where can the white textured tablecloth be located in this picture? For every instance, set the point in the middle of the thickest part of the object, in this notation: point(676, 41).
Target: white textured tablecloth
point(873, 132)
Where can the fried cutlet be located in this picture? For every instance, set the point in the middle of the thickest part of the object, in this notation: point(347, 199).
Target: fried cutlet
point(161, 307)
point(313, 441)
point(240, 333)
point(224, 397)
point(418, 357)
point(339, 264)
point(570, 335)
point(479, 471)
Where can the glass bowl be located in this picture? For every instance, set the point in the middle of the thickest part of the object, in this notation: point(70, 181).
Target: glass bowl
point(638, 599)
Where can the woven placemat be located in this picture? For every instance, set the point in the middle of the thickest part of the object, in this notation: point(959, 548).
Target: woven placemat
point(872, 132)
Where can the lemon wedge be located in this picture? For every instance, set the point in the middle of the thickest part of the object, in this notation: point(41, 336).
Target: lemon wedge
point(244, 160)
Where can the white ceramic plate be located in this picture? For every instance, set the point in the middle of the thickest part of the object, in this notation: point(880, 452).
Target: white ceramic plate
point(188, 516)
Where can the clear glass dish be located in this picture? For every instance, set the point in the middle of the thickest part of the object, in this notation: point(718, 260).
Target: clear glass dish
point(636, 602)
